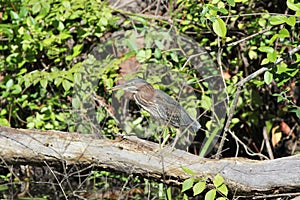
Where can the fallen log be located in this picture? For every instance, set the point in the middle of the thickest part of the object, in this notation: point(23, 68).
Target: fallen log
point(133, 155)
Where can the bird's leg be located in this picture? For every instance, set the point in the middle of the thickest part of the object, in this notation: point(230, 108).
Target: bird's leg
point(187, 139)
point(178, 135)
point(166, 136)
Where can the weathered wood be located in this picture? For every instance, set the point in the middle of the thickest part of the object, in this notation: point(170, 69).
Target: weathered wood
point(134, 155)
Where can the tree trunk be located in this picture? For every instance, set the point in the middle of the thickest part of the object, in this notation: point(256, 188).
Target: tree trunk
point(134, 155)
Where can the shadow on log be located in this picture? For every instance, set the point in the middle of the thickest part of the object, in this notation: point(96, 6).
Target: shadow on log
point(137, 156)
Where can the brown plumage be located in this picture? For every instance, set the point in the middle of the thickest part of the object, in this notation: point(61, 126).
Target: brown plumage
point(160, 105)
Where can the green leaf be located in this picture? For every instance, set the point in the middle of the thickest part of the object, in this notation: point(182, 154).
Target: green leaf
point(159, 44)
point(252, 54)
point(284, 33)
point(76, 103)
point(44, 82)
point(262, 22)
point(17, 89)
point(157, 53)
point(187, 184)
point(14, 15)
point(265, 61)
point(22, 71)
point(143, 55)
point(272, 56)
point(169, 193)
point(219, 27)
point(61, 117)
point(291, 21)
point(210, 195)
point(199, 187)
point(297, 112)
point(174, 57)
point(276, 20)
point(9, 84)
point(4, 122)
point(36, 8)
point(66, 85)
point(268, 77)
point(30, 125)
point(60, 26)
point(281, 68)
point(139, 19)
point(291, 5)
point(77, 50)
point(131, 43)
point(218, 180)
point(231, 2)
point(224, 11)
point(235, 120)
point(48, 41)
point(206, 102)
point(266, 49)
point(66, 4)
point(77, 78)
point(187, 170)
point(23, 12)
point(103, 21)
point(223, 189)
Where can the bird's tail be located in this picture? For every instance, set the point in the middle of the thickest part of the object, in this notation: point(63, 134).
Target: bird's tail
point(194, 127)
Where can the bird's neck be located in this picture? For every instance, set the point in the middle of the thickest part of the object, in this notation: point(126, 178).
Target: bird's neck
point(145, 95)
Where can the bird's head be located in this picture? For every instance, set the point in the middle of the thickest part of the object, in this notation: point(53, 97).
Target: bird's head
point(133, 86)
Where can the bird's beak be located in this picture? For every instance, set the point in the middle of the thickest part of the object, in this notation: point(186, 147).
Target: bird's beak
point(118, 87)
point(125, 86)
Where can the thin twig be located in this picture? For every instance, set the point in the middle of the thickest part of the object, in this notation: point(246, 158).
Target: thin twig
point(58, 182)
point(268, 145)
point(249, 37)
point(247, 149)
point(228, 122)
point(124, 187)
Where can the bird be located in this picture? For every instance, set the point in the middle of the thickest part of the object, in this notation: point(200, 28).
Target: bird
point(159, 105)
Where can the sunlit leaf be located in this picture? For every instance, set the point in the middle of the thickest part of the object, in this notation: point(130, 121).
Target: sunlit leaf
point(291, 21)
point(266, 49)
point(297, 112)
point(218, 180)
point(199, 187)
point(276, 20)
point(284, 33)
point(268, 77)
point(219, 27)
point(210, 195)
point(4, 122)
point(44, 83)
point(187, 170)
point(187, 184)
point(66, 85)
point(223, 189)
point(291, 5)
point(9, 83)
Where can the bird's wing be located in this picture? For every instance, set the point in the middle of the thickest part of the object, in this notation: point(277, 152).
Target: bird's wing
point(173, 113)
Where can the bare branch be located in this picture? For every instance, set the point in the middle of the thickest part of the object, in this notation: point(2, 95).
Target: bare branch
point(137, 156)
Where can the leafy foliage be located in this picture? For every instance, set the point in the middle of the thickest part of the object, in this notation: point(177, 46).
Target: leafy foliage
point(42, 40)
point(199, 185)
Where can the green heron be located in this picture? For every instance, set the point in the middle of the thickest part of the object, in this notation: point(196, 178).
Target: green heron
point(160, 105)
